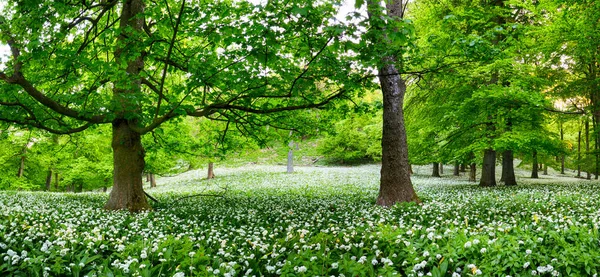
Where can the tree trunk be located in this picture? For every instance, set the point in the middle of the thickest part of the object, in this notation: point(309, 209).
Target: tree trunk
point(22, 164)
point(436, 170)
point(410, 170)
point(148, 177)
point(211, 171)
point(152, 180)
point(562, 156)
point(128, 153)
point(579, 153)
point(508, 169)
point(545, 172)
point(80, 188)
point(456, 169)
point(49, 179)
point(290, 161)
point(463, 167)
point(473, 173)
point(534, 170)
point(587, 146)
point(488, 169)
point(128, 160)
point(395, 184)
point(56, 181)
point(441, 168)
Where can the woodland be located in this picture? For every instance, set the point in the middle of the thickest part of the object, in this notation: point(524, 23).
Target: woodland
point(299, 138)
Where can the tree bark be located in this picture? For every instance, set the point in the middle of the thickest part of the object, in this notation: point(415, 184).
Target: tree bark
point(579, 153)
point(473, 173)
point(211, 171)
point(463, 167)
point(152, 180)
point(488, 169)
point(534, 170)
point(128, 153)
point(128, 160)
point(436, 170)
point(508, 169)
point(562, 156)
point(49, 179)
point(441, 168)
point(290, 158)
point(56, 181)
point(22, 164)
point(395, 184)
point(545, 172)
point(456, 169)
point(587, 146)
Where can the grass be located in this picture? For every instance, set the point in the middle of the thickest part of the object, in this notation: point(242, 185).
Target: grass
point(317, 221)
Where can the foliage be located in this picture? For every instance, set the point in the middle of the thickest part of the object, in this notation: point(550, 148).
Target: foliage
point(319, 221)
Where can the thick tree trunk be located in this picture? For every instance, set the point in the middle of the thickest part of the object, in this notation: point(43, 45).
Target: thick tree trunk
point(579, 152)
point(473, 173)
point(128, 153)
point(395, 184)
point(436, 170)
point(456, 169)
point(534, 170)
point(128, 160)
point(49, 179)
point(508, 169)
point(211, 171)
point(488, 169)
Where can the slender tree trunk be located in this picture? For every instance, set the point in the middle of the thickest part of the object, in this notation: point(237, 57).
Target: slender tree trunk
point(148, 177)
point(587, 146)
point(508, 169)
point(290, 161)
point(22, 164)
point(562, 156)
point(56, 181)
point(463, 167)
point(535, 168)
point(436, 170)
point(211, 173)
point(49, 179)
point(128, 160)
point(80, 189)
point(456, 169)
point(473, 173)
point(545, 172)
point(488, 170)
point(579, 153)
point(152, 180)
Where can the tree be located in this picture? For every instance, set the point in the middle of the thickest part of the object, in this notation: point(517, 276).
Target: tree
point(391, 29)
point(136, 66)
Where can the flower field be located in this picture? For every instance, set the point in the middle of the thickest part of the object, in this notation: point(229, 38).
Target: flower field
point(315, 222)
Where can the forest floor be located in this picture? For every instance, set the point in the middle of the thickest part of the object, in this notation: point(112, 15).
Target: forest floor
point(317, 221)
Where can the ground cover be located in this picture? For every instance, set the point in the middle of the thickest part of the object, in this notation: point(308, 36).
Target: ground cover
point(317, 221)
